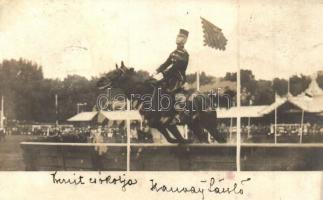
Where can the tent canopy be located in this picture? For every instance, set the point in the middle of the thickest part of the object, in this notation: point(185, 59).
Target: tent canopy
point(244, 111)
point(308, 104)
point(83, 117)
point(121, 115)
point(110, 115)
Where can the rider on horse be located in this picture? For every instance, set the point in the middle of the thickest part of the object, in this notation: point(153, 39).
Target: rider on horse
point(174, 77)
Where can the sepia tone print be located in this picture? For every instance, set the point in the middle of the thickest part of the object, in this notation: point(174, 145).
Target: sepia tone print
point(161, 86)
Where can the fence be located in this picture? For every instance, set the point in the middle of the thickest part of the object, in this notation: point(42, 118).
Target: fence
point(171, 157)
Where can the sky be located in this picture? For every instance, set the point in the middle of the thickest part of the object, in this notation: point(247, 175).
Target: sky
point(272, 38)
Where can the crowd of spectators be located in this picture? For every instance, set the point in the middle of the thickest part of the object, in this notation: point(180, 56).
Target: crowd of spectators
point(311, 132)
point(142, 133)
point(282, 129)
point(85, 134)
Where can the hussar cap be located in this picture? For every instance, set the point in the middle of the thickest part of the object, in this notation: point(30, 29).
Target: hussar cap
point(183, 32)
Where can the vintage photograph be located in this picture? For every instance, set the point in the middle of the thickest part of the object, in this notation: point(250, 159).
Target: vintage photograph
point(161, 85)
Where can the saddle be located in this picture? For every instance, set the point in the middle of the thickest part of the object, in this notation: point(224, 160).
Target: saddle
point(172, 83)
point(172, 116)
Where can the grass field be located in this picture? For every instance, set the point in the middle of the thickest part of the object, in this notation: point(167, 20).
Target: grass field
point(11, 154)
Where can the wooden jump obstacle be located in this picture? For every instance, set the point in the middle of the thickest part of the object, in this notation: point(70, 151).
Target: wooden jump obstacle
point(172, 157)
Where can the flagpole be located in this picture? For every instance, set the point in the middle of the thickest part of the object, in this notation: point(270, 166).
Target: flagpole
point(56, 109)
point(238, 121)
point(2, 113)
point(238, 149)
point(128, 137)
point(198, 80)
point(214, 38)
point(275, 125)
point(302, 125)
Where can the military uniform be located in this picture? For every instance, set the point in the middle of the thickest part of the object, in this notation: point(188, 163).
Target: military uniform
point(174, 76)
point(173, 70)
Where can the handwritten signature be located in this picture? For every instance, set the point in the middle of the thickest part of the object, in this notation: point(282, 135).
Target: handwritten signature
point(211, 185)
point(120, 180)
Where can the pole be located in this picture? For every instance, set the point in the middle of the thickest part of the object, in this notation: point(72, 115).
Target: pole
point(230, 137)
point(248, 133)
point(185, 132)
point(228, 102)
point(56, 108)
point(275, 126)
point(288, 87)
point(218, 94)
point(2, 115)
point(302, 124)
point(238, 90)
point(128, 138)
point(228, 107)
point(198, 80)
point(238, 122)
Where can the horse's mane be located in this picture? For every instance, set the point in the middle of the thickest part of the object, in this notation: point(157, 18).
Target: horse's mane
point(141, 76)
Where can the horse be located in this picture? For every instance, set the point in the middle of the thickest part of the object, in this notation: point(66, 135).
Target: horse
point(138, 89)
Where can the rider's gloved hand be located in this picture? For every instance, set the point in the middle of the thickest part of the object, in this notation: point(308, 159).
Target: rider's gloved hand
point(157, 76)
point(153, 74)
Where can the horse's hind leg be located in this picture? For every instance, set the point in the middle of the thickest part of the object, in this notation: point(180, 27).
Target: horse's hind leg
point(209, 122)
point(215, 134)
point(166, 135)
point(210, 126)
point(198, 132)
point(174, 130)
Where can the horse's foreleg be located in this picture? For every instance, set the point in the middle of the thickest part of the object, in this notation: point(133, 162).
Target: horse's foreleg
point(215, 134)
point(198, 132)
point(166, 135)
point(174, 130)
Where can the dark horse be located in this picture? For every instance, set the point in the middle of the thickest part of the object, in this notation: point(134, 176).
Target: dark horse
point(137, 89)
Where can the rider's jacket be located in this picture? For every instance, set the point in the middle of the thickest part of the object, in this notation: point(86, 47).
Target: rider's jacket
point(179, 61)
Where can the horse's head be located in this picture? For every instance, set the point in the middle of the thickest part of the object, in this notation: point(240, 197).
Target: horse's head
point(116, 77)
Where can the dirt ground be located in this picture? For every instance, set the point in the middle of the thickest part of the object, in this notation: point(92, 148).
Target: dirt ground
point(11, 158)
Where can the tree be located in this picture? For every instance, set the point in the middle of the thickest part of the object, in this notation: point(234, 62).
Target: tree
point(76, 89)
point(299, 84)
point(264, 93)
point(320, 80)
point(231, 76)
point(30, 97)
point(205, 79)
point(191, 78)
point(18, 79)
point(280, 86)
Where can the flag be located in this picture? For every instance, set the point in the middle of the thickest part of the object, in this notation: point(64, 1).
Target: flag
point(213, 36)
